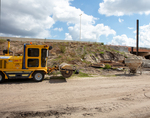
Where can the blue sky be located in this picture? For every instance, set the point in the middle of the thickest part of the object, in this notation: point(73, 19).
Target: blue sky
point(108, 21)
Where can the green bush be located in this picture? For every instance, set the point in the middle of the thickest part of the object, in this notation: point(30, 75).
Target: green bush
point(125, 56)
point(107, 66)
point(59, 56)
point(101, 52)
point(82, 56)
point(102, 43)
point(62, 49)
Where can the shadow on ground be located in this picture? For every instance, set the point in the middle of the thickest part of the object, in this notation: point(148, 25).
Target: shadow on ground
point(52, 79)
point(127, 75)
point(18, 81)
point(57, 79)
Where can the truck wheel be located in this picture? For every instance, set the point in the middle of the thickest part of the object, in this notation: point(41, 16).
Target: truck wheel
point(2, 77)
point(38, 76)
point(67, 73)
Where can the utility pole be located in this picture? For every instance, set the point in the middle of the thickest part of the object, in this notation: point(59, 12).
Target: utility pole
point(80, 26)
point(0, 12)
point(137, 38)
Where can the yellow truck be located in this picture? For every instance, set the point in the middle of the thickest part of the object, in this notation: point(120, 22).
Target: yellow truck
point(32, 64)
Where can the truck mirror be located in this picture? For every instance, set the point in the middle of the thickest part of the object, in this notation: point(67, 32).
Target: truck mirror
point(50, 47)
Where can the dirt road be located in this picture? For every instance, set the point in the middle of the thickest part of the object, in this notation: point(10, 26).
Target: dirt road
point(99, 97)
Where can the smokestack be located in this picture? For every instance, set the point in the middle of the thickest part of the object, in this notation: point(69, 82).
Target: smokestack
point(8, 50)
point(137, 38)
point(131, 50)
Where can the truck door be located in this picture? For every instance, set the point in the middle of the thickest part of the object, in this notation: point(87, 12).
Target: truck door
point(33, 57)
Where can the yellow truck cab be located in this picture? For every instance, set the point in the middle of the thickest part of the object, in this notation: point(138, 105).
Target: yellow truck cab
point(32, 64)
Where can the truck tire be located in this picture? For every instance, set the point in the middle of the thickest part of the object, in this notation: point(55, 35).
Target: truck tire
point(38, 76)
point(67, 73)
point(2, 77)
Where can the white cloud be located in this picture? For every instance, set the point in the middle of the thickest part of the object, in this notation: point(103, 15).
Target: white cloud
point(71, 14)
point(124, 7)
point(68, 36)
point(120, 20)
point(90, 32)
point(130, 28)
point(123, 40)
point(35, 18)
point(26, 18)
point(58, 29)
point(144, 36)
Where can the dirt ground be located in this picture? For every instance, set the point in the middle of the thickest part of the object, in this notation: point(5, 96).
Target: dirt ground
point(120, 96)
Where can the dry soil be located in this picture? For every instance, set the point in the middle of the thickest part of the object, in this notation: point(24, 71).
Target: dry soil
point(120, 96)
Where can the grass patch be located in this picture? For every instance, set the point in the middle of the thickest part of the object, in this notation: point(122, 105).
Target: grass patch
point(125, 56)
point(62, 48)
point(107, 66)
point(59, 56)
point(2, 40)
point(81, 74)
point(101, 52)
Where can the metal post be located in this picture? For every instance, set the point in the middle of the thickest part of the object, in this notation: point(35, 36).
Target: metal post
point(0, 12)
point(137, 38)
point(80, 26)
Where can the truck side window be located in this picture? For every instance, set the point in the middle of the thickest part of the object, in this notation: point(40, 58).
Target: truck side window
point(43, 58)
point(33, 63)
point(33, 52)
point(44, 53)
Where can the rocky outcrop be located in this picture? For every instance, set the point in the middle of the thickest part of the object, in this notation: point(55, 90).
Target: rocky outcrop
point(96, 58)
point(146, 63)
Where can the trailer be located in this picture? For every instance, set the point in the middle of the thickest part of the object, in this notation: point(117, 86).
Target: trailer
point(134, 65)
